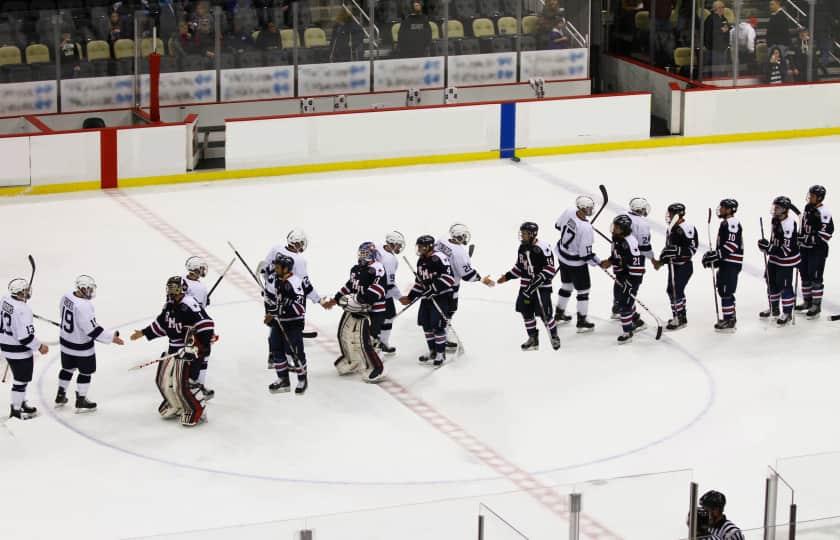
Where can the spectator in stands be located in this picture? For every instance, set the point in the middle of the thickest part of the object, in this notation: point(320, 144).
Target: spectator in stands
point(826, 11)
point(415, 36)
point(116, 28)
point(269, 37)
point(799, 64)
point(745, 39)
point(779, 28)
point(347, 42)
point(201, 15)
point(205, 39)
point(551, 13)
point(776, 71)
point(559, 37)
point(240, 38)
point(70, 52)
point(716, 34)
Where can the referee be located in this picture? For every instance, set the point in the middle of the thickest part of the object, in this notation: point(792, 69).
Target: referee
point(718, 527)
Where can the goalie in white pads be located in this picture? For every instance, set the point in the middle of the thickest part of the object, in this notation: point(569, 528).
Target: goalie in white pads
point(363, 301)
point(18, 344)
point(285, 310)
point(78, 334)
point(461, 264)
point(197, 269)
point(574, 253)
point(393, 246)
point(190, 333)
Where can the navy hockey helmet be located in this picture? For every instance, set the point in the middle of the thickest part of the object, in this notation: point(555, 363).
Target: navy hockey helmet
point(528, 232)
point(675, 209)
point(367, 253)
point(729, 204)
point(176, 286)
point(713, 499)
point(623, 224)
point(818, 191)
point(284, 261)
point(425, 244)
point(782, 202)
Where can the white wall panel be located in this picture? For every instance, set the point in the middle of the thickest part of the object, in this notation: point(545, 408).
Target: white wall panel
point(65, 158)
point(151, 151)
point(14, 155)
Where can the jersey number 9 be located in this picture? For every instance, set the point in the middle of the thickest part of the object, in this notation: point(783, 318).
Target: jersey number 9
point(68, 324)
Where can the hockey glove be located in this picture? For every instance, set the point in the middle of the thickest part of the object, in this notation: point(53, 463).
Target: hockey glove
point(534, 285)
point(764, 245)
point(668, 254)
point(711, 259)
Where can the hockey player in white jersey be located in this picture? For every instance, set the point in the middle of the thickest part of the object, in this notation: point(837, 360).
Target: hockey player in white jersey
point(638, 211)
point(18, 344)
point(393, 246)
point(574, 254)
point(197, 269)
point(462, 270)
point(78, 333)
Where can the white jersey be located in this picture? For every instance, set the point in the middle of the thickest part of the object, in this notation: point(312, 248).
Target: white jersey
point(641, 232)
point(575, 245)
point(79, 328)
point(17, 331)
point(459, 261)
point(390, 263)
point(299, 269)
point(197, 290)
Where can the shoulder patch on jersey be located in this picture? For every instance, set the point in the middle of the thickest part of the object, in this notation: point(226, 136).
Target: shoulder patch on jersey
point(733, 224)
point(825, 214)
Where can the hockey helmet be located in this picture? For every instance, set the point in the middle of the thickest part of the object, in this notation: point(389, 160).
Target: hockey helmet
point(713, 499)
point(623, 225)
point(818, 191)
point(176, 287)
point(86, 286)
point(196, 265)
point(460, 233)
point(781, 205)
point(396, 240)
point(528, 232)
point(20, 290)
point(297, 240)
point(675, 209)
point(585, 204)
point(425, 244)
point(729, 204)
point(367, 253)
point(284, 261)
point(639, 206)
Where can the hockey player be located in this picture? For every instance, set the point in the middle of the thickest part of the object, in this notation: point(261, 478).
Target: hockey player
point(783, 251)
point(393, 246)
point(574, 254)
point(462, 270)
point(18, 344)
point(433, 284)
point(190, 332)
point(638, 211)
point(535, 269)
point(817, 229)
point(296, 244)
point(363, 301)
point(285, 309)
point(629, 269)
point(78, 334)
point(680, 246)
point(727, 257)
point(197, 269)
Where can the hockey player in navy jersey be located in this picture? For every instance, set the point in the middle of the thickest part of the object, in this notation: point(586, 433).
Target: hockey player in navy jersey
point(817, 229)
point(535, 268)
point(629, 269)
point(782, 250)
point(433, 284)
point(680, 247)
point(727, 257)
point(638, 210)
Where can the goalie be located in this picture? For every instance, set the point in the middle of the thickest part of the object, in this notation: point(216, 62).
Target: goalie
point(190, 332)
point(363, 300)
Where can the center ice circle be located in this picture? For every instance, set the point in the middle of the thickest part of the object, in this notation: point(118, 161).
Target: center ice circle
point(252, 434)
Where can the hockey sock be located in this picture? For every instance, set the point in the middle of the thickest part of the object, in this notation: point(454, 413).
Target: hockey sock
point(583, 302)
point(788, 300)
point(440, 341)
point(64, 378)
point(817, 293)
point(82, 384)
point(531, 326)
point(678, 306)
point(627, 321)
point(18, 393)
point(551, 326)
point(282, 368)
point(430, 340)
point(807, 290)
point(564, 294)
point(727, 304)
point(774, 299)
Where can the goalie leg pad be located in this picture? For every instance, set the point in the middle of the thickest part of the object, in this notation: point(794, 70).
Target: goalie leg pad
point(192, 406)
point(167, 384)
point(350, 337)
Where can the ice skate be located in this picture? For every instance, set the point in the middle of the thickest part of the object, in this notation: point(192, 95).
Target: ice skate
point(555, 342)
point(560, 316)
point(61, 398)
point(425, 358)
point(584, 326)
point(279, 386)
point(625, 338)
point(725, 326)
point(83, 405)
point(532, 344)
point(784, 319)
point(375, 375)
point(680, 321)
point(302, 385)
point(814, 312)
point(767, 313)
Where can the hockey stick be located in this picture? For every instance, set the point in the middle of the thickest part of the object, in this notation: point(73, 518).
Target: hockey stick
point(155, 361)
point(233, 260)
point(834, 318)
point(714, 278)
point(672, 277)
point(543, 315)
point(635, 299)
point(471, 250)
point(603, 204)
point(766, 272)
point(437, 307)
point(36, 316)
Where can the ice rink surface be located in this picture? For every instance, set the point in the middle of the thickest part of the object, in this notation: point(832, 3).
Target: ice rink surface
point(513, 431)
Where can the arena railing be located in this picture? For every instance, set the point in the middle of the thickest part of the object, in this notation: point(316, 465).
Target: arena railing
point(90, 58)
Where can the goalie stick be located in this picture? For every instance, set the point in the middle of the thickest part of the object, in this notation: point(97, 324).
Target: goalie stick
point(155, 361)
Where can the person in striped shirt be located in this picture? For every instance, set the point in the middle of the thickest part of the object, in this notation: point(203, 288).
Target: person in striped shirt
point(714, 525)
point(727, 257)
point(628, 265)
point(782, 250)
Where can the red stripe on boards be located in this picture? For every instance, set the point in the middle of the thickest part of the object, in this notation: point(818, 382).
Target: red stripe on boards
point(108, 158)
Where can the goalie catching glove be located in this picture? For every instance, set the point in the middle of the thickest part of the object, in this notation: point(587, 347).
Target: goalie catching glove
point(351, 304)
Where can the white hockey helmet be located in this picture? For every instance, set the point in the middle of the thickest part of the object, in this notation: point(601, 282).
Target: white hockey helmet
point(640, 206)
point(86, 286)
point(396, 240)
point(460, 233)
point(297, 239)
point(196, 265)
point(20, 290)
point(585, 203)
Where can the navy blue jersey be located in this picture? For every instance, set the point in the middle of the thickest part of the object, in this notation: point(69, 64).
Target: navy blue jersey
point(684, 238)
point(627, 259)
point(817, 229)
point(730, 241)
point(434, 276)
point(368, 282)
point(176, 319)
point(534, 262)
point(784, 242)
point(285, 298)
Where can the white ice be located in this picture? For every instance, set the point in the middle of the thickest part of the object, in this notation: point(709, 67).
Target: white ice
point(716, 409)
